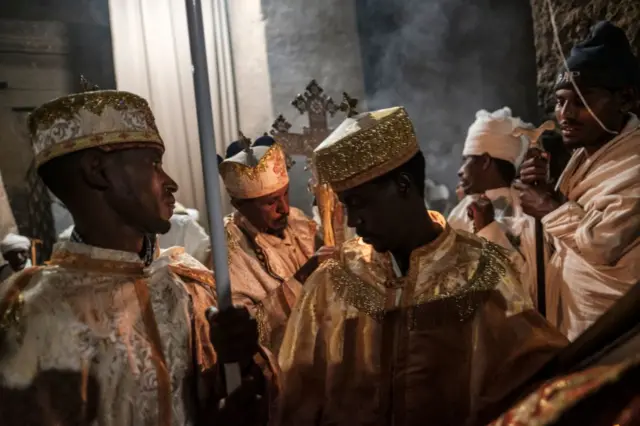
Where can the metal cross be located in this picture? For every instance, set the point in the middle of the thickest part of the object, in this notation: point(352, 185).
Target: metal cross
point(86, 86)
point(317, 105)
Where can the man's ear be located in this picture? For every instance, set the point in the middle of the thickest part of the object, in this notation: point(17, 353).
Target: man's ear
point(404, 183)
point(628, 99)
point(236, 203)
point(485, 161)
point(92, 169)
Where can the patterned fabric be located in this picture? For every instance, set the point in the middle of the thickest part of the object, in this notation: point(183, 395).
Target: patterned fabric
point(100, 118)
point(262, 268)
point(255, 172)
point(442, 345)
point(364, 147)
point(97, 338)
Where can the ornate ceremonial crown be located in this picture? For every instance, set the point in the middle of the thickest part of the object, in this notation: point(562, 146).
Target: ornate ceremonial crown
point(255, 172)
point(365, 147)
point(94, 118)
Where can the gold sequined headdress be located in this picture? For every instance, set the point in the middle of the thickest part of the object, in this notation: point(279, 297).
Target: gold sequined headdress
point(106, 119)
point(255, 172)
point(365, 147)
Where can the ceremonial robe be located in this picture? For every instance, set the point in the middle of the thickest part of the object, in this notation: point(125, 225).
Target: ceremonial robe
point(442, 345)
point(262, 268)
point(97, 338)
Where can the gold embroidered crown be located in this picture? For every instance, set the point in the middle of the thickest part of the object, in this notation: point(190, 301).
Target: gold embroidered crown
point(364, 147)
point(90, 119)
point(255, 172)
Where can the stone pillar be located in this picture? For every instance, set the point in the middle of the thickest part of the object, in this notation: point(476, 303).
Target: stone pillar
point(574, 19)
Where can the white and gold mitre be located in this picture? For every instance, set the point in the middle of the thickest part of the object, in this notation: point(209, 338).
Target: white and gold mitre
point(255, 172)
point(365, 147)
point(93, 119)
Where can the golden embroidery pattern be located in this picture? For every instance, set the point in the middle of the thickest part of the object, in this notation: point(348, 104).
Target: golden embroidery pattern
point(65, 108)
point(379, 149)
point(355, 291)
point(491, 270)
point(96, 141)
point(252, 173)
point(264, 329)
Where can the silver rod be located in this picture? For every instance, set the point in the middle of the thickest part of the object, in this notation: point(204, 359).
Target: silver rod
point(208, 152)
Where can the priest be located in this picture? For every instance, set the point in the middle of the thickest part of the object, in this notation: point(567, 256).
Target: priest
point(111, 332)
point(413, 322)
point(272, 246)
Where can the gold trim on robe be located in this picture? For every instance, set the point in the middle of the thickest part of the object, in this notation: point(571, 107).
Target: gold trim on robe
point(443, 345)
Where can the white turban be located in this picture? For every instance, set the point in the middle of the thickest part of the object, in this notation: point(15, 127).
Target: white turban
point(492, 133)
point(13, 242)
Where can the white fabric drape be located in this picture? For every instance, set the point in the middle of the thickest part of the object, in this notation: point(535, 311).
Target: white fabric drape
point(152, 58)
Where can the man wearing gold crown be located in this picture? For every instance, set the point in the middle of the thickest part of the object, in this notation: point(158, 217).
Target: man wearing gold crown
point(491, 207)
point(272, 246)
point(415, 323)
point(111, 332)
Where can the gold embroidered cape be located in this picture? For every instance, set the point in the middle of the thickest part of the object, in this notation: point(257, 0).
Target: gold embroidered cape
point(95, 338)
point(262, 266)
point(438, 346)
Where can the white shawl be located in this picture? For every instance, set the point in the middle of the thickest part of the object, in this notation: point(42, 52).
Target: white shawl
point(596, 233)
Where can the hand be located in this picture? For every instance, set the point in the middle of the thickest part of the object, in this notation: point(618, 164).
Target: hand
point(536, 202)
point(535, 168)
point(481, 212)
point(324, 253)
point(246, 406)
point(234, 335)
point(460, 191)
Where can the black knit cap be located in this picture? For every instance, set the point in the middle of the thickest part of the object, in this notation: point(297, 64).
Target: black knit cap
point(604, 60)
point(264, 140)
point(234, 148)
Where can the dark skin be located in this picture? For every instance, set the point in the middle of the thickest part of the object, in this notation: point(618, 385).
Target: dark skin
point(118, 197)
point(269, 214)
point(17, 259)
point(579, 130)
point(478, 174)
point(374, 209)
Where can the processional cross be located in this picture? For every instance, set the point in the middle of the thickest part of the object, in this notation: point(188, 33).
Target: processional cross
point(317, 105)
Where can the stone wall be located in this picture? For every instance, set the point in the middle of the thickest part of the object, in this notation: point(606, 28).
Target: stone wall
point(44, 47)
point(574, 19)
